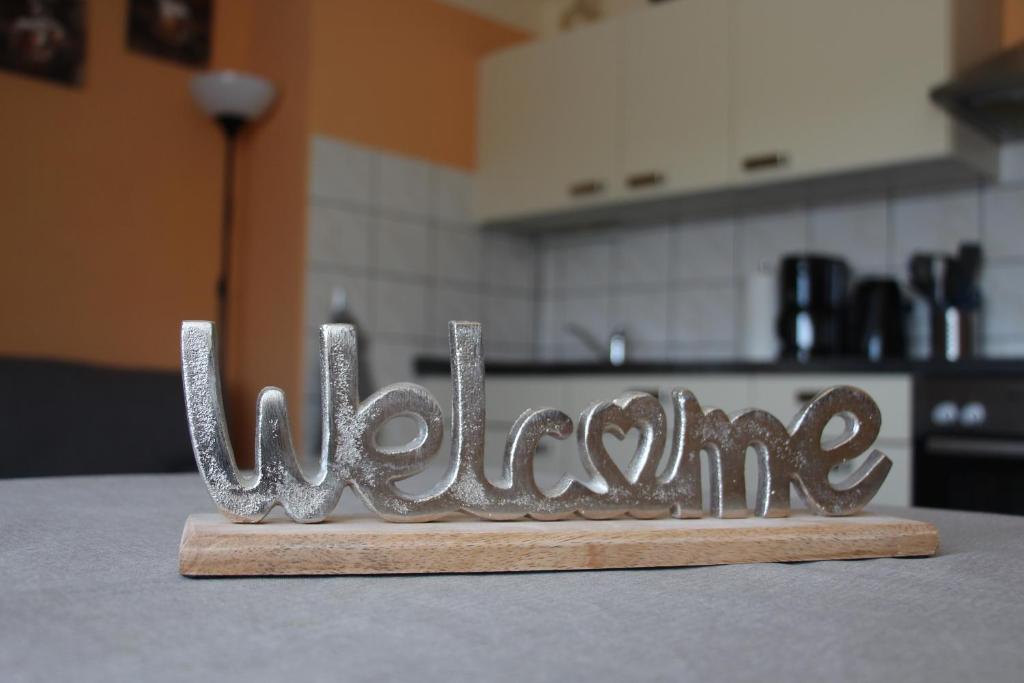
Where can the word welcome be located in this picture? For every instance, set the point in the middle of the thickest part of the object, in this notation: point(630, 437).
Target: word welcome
point(352, 457)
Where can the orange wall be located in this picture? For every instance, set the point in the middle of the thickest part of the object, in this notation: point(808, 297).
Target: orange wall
point(395, 74)
point(110, 191)
point(110, 196)
point(270, 254)
point(111, 200)
point(1013, 21)
point(400, 75)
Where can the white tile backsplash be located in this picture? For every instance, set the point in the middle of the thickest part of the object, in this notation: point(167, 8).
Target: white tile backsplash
point(405, 247)
point(1011, 162)
point(857, 232)
point(340, 171)
point(702, 315)
point(642, 257)
point(1003, 229)
point(548, 323)
point(510, 261)
point(642, 313)
point(396, 233)
point(450, 200)
point(403, 186)
point(1002, 286)
point(765, 238)
point(503, 320)
point(703, 251)
point(587, 264)
point(587, 276)
point(401, 310)
point(321, 285)
point(552, 256)
point(391, 361)
point(454, 302)
point(933, 222)
point(1005, 347)
point(339, 238)
point(459, 255)
point(589, 311)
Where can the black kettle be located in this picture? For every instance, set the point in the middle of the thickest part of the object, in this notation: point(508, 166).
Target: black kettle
point(878, 320)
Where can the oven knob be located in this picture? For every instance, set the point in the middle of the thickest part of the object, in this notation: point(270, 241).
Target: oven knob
point(945, 413)
point(973, 414)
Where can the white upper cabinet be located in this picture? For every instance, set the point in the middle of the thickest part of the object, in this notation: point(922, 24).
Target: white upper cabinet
point(547, 124)
point(674, 132)
point(691, 98)
point(822, 86)
point(509, 144)
point(582, 97)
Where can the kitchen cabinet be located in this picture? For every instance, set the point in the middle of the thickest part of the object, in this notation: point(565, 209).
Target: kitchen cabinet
point(674, 136)
point(582, 95)
point(547, 123)
point(513, 116)
point(785, 395)
point(702, 103)
point(822, 86)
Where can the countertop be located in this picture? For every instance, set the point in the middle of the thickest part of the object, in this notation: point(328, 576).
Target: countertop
point(90, 591)
point(434, 365)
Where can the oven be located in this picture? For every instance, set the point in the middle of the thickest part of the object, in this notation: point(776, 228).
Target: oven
point(969, 441)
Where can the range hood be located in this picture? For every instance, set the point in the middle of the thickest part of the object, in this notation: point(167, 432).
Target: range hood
point(990, 96)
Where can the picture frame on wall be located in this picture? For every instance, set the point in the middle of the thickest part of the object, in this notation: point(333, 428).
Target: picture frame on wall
point(178, 30)
point(43, 39)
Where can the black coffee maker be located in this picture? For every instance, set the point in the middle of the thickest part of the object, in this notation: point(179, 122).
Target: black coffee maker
point(813, 310)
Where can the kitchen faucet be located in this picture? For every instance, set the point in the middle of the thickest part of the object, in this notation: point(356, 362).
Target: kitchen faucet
point(614, 350)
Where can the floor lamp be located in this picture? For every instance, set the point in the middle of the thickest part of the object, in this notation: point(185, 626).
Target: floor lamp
point(233, 99)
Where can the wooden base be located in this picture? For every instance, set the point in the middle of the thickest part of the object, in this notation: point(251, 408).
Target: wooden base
point(213, 546)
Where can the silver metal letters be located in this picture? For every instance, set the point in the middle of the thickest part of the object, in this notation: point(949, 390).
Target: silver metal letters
point(352, 457)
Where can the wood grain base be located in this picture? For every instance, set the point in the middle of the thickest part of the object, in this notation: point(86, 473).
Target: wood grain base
point(212, 546)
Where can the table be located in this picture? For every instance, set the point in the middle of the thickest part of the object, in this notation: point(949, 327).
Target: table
point(90, 591)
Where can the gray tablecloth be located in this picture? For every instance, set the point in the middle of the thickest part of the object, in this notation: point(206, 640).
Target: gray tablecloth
point(89, 591)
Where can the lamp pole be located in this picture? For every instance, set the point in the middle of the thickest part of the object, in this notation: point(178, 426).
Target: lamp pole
point(232, 99)
point(231, 125)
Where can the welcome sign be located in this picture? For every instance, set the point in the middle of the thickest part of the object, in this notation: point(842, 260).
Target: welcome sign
point(352, 457)
point(653, 508)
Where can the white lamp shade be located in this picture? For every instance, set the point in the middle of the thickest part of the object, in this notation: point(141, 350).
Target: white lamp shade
point(232, 94)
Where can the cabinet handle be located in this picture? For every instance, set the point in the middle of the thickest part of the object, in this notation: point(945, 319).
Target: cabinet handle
point(586, 188)
point(759, 162)
point(646, 179)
